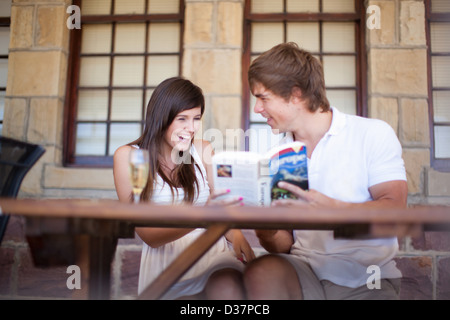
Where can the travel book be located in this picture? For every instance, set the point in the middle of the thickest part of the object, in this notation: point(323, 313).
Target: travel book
point(255, 177)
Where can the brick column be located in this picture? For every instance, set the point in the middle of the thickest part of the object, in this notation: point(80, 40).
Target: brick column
point(36, 80)
point(397, 77)
point(212, 59)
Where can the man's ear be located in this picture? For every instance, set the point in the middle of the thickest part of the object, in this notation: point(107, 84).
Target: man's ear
point(296, 94)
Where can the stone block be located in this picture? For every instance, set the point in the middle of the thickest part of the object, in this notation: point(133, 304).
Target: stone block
point(398, 72)
point(226, 113)
point(6, 266)
point(438, 183)
point(15, 231)
point(41, 282)
point(229, 23)
point(36, 73)
point(432, 240)
point(129, 273)
point(385, 109)
point(45, 117)
point(198, 23)
point(443, 282)
point(78, 178)
point(21, 27)
point(412, 23)
point(386, 34)
point(417, 277)
point(414, 126)
point(15, 118)
point(215, 71)
point(51, 29)
point(226, 117)
point(415, 162)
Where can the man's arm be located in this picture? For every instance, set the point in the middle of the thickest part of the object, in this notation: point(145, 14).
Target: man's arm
point(390, 194)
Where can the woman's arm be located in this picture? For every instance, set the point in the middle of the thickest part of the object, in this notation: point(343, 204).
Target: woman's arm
point(121, 173)
point(154, 237)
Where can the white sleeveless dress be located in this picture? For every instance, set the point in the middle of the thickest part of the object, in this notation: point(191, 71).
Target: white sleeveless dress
point(155, 260)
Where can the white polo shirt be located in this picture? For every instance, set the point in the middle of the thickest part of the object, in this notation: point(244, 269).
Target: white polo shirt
point(355, 154)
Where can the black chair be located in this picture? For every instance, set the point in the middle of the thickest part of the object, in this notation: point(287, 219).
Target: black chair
point(16, 159)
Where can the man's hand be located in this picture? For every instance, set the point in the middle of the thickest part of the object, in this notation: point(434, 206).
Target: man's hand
point(310, 198)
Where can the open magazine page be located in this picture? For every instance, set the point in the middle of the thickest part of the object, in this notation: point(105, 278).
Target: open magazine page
point(239, 172)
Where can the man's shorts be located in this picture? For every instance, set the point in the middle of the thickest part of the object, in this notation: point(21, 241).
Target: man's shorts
point(315, 289)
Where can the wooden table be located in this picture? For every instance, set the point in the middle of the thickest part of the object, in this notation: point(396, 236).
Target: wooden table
point(85, 232)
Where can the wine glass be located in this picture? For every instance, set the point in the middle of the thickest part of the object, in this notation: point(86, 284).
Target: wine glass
point(138, 164)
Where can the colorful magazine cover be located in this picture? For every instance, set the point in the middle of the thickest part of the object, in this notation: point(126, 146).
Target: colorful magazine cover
point(290, 165)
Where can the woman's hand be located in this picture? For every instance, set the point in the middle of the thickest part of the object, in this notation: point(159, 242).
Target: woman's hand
point(242, 248)
point(215, 199)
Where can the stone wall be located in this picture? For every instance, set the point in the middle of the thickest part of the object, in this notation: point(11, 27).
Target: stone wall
point(397, 93)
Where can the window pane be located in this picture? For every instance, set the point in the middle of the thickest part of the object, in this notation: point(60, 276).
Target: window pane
point(128, 71)
point(163, 6)
point(126, 105)
point(94, 71)
point(441, 138)
point(339, 71)
point(440, 67)
point(441, 106)
point(338, 37)
point(4, 40)
point(129, 6)
point(96, 7)
point(92, 105)
point(130, 38)
point(164, 37)
point(343, 100)
point(266, 35)
point(440, 37)
point(123, 133)
point(305, 34)
point(160, 68)
point(338, 6)
point(91, 139)
point(261, 138)
point(302, 6)
point(3, 72)
point(440, 5)
point(96, 38)
point(5, 8)
point(267, 6)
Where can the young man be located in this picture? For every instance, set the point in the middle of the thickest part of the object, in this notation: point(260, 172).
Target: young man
point(353, 162)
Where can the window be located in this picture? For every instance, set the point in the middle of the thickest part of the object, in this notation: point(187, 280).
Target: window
point(438, 35)
point(5, 20)
point(332, 30)
point(123, 50)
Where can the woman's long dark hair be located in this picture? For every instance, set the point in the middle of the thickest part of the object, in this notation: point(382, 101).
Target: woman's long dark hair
point(170, 97)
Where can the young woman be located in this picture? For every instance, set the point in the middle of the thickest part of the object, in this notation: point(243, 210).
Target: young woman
point(180, 172)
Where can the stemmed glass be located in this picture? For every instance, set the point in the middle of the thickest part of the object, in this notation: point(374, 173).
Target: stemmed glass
point(138, 164)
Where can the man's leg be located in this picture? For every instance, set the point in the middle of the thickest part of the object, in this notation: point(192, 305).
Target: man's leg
point(272, 277)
